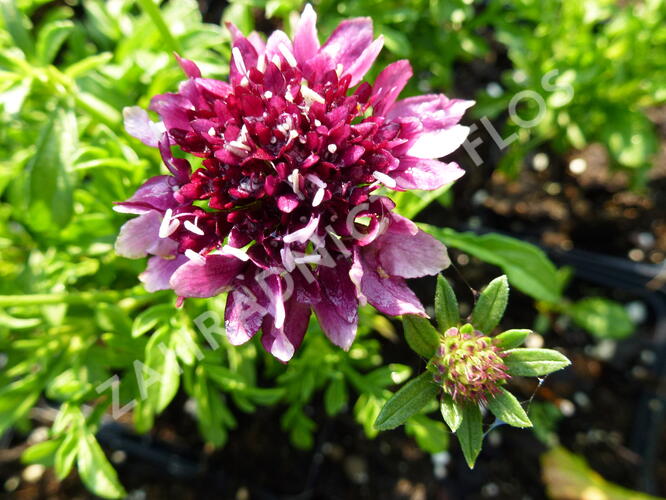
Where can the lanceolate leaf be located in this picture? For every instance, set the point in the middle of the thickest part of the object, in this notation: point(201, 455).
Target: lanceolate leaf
point(446, 305)
point(420, 335)
point(534, 362)
point(95, 470)
point(526, 266)
point(511, 339)
point(506, 407)
point(163, 377)
point(451, 412)
point(490, 307)
point(406, 402)
point(470, 433)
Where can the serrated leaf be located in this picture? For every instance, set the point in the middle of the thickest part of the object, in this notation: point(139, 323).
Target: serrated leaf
point(446, 305)
point(66, 455)
point(491, 304)
point(41, 453)
point(50, 39)
point(470, 433)
point(95, 470)
point(335, 397)
point(511, 339)
point(526, 266)
point(507, 408)
point(150, 318)
point(406, 402)
point(451, 412)
point(601, 317)
point(420, 335)
point(534, 362)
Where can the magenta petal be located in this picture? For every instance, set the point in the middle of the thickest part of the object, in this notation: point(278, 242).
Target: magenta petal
point(179, 167)
point(388, 294)
point(337, 311)
point(408, 254)
point(282, 342)
point(139, 237)
point(189, 67)
point(173, 109)
point(243, 57)
point(243, 314)
point(349, 41)
point(276, 40)
point(205, 279)
point(438, 143)
point(426, 174)
point(139, 125)
point(159, 271)
point(306, 43)
point(360, 67)
point(156, 193)
point(389, 84)
point(288, 203)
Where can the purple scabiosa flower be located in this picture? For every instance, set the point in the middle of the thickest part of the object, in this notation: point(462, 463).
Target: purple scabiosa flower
point(284, 213)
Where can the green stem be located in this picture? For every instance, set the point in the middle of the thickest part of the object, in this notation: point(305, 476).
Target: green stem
point(155, 14)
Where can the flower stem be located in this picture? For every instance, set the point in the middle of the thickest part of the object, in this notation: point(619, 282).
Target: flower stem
point(153, 11)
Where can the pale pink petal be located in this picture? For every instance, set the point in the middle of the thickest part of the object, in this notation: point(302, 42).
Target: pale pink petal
point(159, 271)
point(139, 237)
point(337, 311)
point(348, 41)
point(435, 110)
point(306, 43)
point(360, 67)
point(425, 174)
point(244, 312)
point(407, 254)
point(139, 125)
point(438, 143)
point(156, 193)
point(389, 84)
point(205, 279)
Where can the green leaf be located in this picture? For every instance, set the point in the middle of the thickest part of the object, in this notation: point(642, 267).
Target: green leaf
point(511, 339)
point(534, 362)
point(150, 318)
point(470, 433)
point(430, 435)
point(406, 402)
point(41, 453)
point(451, 412)
point(420, 335)
point(66, 455)
point(95, 470)
point(50, 39)
point(526, 266)
point(18, 26)
point(601, 317)
point(491, 304)
point(49, 188)
point(506, 407)
point(446, 305)
point(335, 397)
point(163, 371)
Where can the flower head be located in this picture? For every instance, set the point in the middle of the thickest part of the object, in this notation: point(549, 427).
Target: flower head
point(284, 213)
point(468, 365)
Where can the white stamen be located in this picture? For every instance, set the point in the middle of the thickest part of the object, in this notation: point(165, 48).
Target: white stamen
point(276, 60)
point(338, 69)
point(308, 259)
point(294, 178)
point(288, 96)
point(273, 140)
point(239, 145)
point(268, 94)
point(244, 82)
point(238, 60)
point(211, 131)
point(317, 123)
point(310, 95)
point(193, 228)
point(303, 234)
point(288, 259)
point(261, 63)
point(384, 179)
point(287, 55)
point(194, 256)
point(292, 134)
point(168, 224)
point(316, 180)
point(235, 252)
point(332, 148)
point(318, 197)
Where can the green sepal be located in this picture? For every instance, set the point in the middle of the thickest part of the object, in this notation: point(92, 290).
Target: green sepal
point(406, 402)
point(420, 335)
point(451, 412)
point(534, 362)
point(511, 339)
point(491, 304)
point(446, 305)
point(470, 432)
point(507, 408)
